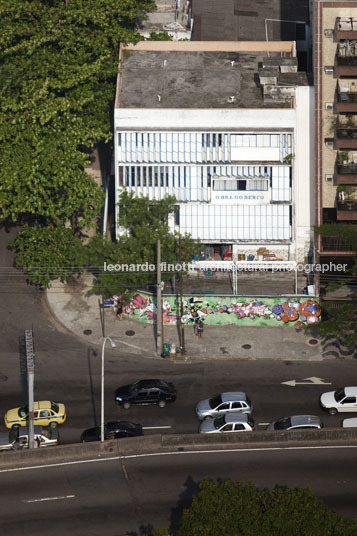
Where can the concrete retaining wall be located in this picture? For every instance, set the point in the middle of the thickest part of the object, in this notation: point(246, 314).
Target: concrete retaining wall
point(174, 443)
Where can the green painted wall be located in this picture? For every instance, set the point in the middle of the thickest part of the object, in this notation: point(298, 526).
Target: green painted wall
point(225, 310)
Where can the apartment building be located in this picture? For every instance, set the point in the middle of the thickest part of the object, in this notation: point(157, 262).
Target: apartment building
point(335, 63)
point(226, 127)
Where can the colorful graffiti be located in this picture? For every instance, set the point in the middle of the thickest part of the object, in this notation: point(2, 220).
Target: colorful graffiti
point(223, 310)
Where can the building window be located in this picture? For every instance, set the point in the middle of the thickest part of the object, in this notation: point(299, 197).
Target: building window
point(258, 185)
point(300, 29)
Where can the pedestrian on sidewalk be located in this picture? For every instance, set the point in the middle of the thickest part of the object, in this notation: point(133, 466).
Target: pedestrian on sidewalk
point(119, 312)
point(199, 329)
point(195, 326)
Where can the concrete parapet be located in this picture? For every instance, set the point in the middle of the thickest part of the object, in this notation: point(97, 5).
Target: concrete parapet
point(165, 443)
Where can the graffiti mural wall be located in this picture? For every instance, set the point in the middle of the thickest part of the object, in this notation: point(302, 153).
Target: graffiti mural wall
point(224, 310)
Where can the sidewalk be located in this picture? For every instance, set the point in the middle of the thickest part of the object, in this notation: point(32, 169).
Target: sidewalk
point(80, 313)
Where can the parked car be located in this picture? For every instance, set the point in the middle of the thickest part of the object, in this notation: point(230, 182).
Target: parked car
point(232, 422)
point(146, 392)
point(296, 422)
point(45, 437)
point(235, 402)
point(349, 423)
point(112, 430)
point(8, 439)
point(339, 401)
point(18, 437)
point(46, 413)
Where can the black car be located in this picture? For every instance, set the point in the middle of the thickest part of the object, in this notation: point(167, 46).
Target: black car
point(112, 430)
point(146, 392)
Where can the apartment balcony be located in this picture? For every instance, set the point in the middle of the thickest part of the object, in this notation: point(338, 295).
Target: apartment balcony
point(346, 65)
point(346, 102)
point(346, 138)
point(346, 173)
point(334, 245)
point(346, 28)
point(347, 211)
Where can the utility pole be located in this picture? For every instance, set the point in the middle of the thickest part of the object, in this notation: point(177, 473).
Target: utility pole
point(30, 383)
point(159, 318)
point(182, 327)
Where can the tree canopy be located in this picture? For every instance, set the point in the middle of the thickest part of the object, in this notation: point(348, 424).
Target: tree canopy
point(59, 60)
point(236, 508)
point(143, 222)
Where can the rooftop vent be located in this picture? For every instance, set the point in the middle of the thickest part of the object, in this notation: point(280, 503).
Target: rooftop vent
point(231, 98)
point(158, 97)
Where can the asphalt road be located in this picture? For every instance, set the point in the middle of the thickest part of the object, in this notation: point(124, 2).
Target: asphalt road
point(118, 497)
point(147, 490)
point(68, 370)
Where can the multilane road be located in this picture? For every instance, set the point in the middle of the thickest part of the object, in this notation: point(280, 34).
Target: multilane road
point(118, 497)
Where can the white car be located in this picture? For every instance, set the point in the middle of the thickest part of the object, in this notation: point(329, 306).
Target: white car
point(232, 422)
point(43, 437)
point(339, 401)
point(232, 402)
point(349, 423)
point(296, 422)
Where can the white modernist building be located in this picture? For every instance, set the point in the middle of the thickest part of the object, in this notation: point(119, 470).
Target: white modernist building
point(226, 127)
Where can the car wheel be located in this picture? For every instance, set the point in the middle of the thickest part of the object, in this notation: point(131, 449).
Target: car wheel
point(53, 425)
point(15, 426)
point(332, 411)
point(161, 403)
point(126, 405)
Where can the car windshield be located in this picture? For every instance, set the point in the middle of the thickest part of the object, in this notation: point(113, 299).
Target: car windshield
point(340, 395)
point(220, 421)
point(23, 412)
point(215, 401)
point(54, 407)
point(282, 424)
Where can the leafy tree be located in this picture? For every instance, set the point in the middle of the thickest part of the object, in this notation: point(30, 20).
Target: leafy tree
point(159, 36)
point(59, 61)
point(143, 223)
point(340, 322)
point(228, 508)
point(48, 252)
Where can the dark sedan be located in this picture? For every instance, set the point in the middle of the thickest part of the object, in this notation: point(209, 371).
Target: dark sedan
point(146, 392)
point(112, 430)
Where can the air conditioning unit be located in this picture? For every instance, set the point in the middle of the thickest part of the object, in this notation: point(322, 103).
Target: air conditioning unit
point(329, 106)
point(329, 69)
point(328, 178)
point(328, 33)
point(329, 142)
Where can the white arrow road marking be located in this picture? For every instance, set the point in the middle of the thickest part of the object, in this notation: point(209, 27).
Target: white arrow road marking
point(49, 499)
point(311, 381)
point(155, 427)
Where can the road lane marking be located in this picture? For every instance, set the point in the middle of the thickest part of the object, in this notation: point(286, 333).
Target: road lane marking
point(175, 453)
point(263, 423)
point(311, 381)
point(48, 499)
point(155, 427)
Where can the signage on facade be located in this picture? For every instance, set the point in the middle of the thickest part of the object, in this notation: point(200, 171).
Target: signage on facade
point(237, 198)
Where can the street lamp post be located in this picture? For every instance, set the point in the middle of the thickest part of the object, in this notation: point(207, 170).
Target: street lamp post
point(102, 389)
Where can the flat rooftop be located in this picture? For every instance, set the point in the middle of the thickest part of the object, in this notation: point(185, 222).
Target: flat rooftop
point(198, 75)
point(238, 20)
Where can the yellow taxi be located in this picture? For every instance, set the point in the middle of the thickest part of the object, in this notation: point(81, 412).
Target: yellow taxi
point(46, 413)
